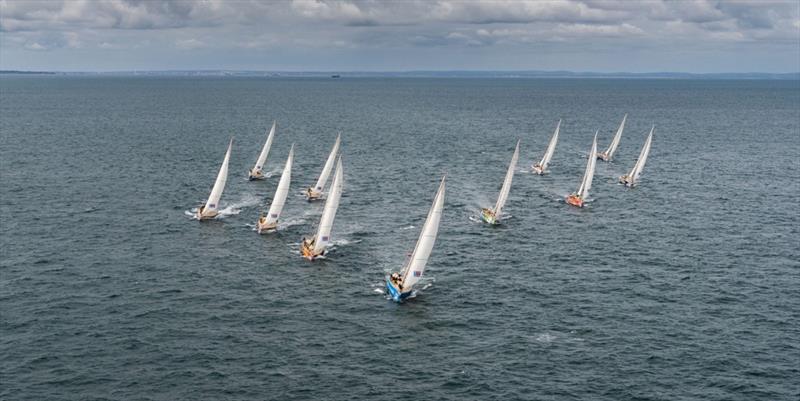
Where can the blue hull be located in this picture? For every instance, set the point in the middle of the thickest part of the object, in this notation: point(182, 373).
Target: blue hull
point(396, 295)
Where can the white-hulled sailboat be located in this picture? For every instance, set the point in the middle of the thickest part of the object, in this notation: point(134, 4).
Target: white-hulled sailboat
point(401, 284)
point(609, 153)
point(210, 209)
point(632, 178)
point(257, 173)
point(493, 216)
point(541, 167)
point(312, 248)
point(315, 192)
point(270, 220)
point(579, 197)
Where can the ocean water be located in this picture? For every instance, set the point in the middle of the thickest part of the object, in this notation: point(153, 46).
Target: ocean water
point(684, 288)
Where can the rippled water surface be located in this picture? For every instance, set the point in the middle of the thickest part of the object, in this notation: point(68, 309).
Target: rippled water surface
point(684, 288)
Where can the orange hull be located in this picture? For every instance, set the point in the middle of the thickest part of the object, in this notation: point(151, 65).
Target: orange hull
point(575, 200)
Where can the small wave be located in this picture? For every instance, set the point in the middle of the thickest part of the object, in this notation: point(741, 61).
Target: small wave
point(407, 228)
point(545, 338)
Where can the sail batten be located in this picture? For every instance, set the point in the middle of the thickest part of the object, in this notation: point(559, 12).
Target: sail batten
point(326, 170)
point(329, 212)
point(262, 157)
point(413, 271)
point(588, 175)
point(282, 191)
point(212, 204)
point(506, 188)
point(551, 148)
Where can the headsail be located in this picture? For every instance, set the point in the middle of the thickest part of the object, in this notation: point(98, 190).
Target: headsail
point(503, 197)
point(283, 190)
point(637, 168)
point(326, 171)
point(212, 204)
point(615, 142)
point(586, 184)
point(551, 148)
point(262, 158)
point(412, 273)
point(329, 212)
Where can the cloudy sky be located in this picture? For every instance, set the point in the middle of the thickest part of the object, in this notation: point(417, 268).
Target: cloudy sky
point(371, 35)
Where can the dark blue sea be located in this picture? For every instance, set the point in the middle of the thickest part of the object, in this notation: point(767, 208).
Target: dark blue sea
point(686, 287)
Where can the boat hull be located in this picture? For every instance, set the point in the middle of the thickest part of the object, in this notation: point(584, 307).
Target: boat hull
point(538, 170)
point(603, 157)
point(624, 180)
point(574, 200)
point(488, 217)
point(395, 293)
point(312, 195)
point(199, 215)
point(307, 252)
point(262, 228)
point(255, 176)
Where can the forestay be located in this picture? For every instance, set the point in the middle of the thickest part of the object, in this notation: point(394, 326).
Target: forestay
point(262, 158)
point(331, 204)
point(283, 190)
point(551, 148)
point(422, 251)
point(504, 190)
point(212, 204)
point(586, 184)
point(326, 170)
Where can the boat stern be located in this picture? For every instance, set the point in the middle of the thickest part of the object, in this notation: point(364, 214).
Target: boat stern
point(488, 216)
point(394, 292)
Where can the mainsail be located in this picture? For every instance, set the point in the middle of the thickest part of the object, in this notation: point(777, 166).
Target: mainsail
point(262, 158)
point(282, 192)
point(551, 148)
point(586, 184)
point(212, 204)
point(615, 142)
point(637, 168)
point(412, 273)
point(326, 171)
point(329, 212)
point(503, 197)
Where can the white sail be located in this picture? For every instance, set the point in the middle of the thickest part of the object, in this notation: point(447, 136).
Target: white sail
point(637, 168)
point(326, 171)
point(551, 148)
point(586, 184)
point(283, 190)
point(422, 251)
point(504, 190)
point(615, 142)
point(212, 204)
point(262, 158)
point(331, 204)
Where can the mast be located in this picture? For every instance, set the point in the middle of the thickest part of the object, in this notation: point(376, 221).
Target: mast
point(551, 148)
point(639, 166)
point(615, 142)
point(283, 190)
point(506, 188)
point(326, 170)
point(412, 272)
point(262, 157)
point(219, 185)
point(586, 184)
point(329, 212)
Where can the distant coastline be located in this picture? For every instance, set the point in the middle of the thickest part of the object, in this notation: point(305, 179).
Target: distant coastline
point(424, 74)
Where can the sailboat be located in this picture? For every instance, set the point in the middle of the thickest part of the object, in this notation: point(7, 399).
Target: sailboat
point(401, 284)
point(210, 209)
point(632, 178)
point(257, 173)
point(270, 220)
point(609, 153)
point(493, 216)
point(312, 248)
point(541, 167)
point(579, 197)
point(315, 192)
